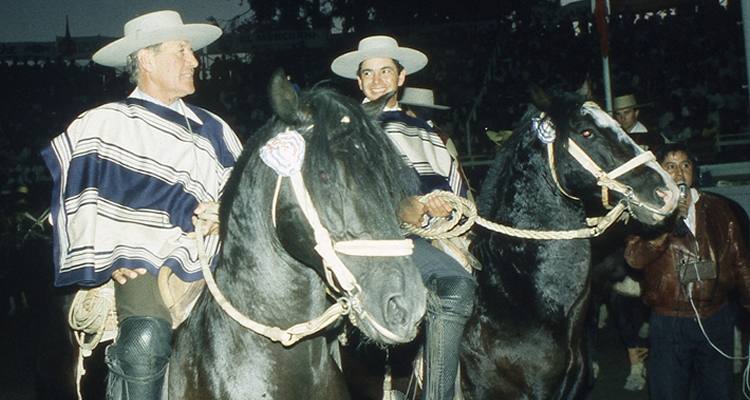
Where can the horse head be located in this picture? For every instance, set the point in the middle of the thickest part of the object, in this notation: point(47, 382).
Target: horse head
point(590, 150)
point(338, 215)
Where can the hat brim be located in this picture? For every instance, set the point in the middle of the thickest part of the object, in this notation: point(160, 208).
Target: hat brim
point(435, 106)
point(346, 65)
point(635, 106)
point(115, 54)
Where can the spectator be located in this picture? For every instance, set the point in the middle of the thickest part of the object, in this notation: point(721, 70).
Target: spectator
point(689, 274)
point(626, 112)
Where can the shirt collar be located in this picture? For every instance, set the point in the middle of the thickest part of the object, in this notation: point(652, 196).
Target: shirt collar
point(178, 106)
point(396, 108)
point(690, 219)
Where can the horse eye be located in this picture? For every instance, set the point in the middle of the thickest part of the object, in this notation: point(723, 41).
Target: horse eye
point(587, 133)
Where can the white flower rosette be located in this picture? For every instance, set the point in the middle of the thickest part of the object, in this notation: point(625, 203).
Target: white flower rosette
point(284, 153)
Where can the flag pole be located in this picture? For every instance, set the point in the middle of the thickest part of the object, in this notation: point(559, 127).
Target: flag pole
point(600, 9)
point(746, 34)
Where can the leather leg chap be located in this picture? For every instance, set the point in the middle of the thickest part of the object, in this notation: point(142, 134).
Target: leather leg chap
point(450, 303)
point(138, 359)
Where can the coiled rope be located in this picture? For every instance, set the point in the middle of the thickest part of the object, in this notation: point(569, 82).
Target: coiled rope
point(92, 315)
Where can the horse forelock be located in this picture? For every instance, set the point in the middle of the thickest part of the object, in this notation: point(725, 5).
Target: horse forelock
point(350, 147)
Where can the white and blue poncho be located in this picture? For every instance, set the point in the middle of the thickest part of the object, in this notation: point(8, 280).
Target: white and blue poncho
point(422, 149)
point(127, 178)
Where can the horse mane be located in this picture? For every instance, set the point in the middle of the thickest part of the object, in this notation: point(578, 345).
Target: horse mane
point(373, 166)
point(523, 149)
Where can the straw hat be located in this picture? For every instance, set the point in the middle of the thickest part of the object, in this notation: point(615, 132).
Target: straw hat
point(626, 101)
point(154, 28)
point(420, 97)
point(346, 65)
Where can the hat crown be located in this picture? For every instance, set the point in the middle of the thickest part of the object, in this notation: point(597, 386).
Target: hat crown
point(377, 42)
point(626, 101)
point(418, 96)
point(152, 22)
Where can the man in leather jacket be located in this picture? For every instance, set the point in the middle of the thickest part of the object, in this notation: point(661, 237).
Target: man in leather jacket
point(689, 274)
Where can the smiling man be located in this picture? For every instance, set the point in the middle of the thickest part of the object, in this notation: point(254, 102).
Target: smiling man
point(380, 66)
point(130, 179)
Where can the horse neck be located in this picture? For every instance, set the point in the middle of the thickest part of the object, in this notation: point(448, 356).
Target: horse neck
point(525, 195)
point(254, 265)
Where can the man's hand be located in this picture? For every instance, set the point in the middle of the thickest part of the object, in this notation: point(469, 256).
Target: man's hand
point(412, 211)
point(437, 207)
point(207, 211)
point(121, 275)
point(683, 205)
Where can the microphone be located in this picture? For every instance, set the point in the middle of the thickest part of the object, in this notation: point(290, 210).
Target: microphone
point(683, 192)
point(681, 230)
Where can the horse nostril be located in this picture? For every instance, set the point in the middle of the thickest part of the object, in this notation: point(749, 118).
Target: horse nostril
point(395, 314)
point(665, 194)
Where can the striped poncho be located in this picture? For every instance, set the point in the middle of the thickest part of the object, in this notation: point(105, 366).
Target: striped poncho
point(423, 149)
point(127, 178)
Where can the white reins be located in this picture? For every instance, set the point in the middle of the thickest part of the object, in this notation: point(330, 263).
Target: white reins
point(285, 154)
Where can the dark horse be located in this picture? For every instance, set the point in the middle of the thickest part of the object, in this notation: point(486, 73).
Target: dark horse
point(525, 339)
point(269, 269)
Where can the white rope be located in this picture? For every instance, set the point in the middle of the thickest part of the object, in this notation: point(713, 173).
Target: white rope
point(286, 337)
point(89, 314)
point(468, 209)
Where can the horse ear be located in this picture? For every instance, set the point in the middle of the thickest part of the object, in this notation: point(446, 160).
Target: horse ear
point(374, 108)
point(284, 99)
point(540, 98)
point(585, 89)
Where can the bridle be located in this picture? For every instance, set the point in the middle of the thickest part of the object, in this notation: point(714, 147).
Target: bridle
point(608, 181)
point(284, 154)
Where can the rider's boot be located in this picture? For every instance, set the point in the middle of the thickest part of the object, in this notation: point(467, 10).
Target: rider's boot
point(449, 306)
point(138, 359)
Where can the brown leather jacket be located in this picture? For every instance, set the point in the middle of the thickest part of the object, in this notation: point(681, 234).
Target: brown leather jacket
point(718, 239)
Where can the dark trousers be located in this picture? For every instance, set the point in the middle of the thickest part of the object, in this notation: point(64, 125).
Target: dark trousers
point(140, 297)
point(680, 354)
point(434, 263)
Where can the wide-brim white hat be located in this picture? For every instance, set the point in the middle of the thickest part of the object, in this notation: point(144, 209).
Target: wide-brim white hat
point(346, 65)
point(420, 97)
point(154, 28)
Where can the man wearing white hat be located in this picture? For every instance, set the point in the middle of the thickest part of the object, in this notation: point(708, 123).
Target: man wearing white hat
point(380, 67)
point(626, 111)
point(130, 179)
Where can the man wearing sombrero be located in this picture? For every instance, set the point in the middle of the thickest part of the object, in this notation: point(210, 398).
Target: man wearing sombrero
point(129, 180)
point(380, 66)
point(626, 111)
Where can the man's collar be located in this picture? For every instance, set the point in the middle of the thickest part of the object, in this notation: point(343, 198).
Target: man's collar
point(178, 106)
point(386, 108)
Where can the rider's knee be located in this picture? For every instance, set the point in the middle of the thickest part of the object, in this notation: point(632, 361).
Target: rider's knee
point(452, 295)
point(142, 347)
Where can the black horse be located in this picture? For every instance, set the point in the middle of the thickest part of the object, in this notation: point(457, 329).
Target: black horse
point(526, 338)
point(269, 269)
